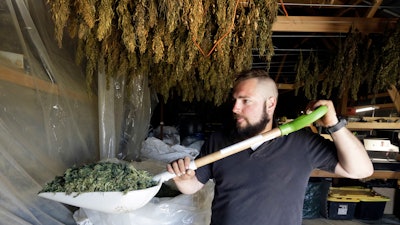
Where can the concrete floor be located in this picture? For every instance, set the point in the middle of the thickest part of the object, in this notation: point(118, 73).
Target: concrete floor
point(386, 220)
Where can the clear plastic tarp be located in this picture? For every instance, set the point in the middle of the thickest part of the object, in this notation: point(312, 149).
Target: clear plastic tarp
point(48, 121)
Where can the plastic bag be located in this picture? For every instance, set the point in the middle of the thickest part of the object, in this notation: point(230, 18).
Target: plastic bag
point(316, 193)
point(154, 148)
point(183, 209)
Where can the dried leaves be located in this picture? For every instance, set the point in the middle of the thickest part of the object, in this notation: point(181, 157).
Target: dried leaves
point(308, 75)
point(60, 10)
point(372, 60)
point(189, 48)
point(100, 177)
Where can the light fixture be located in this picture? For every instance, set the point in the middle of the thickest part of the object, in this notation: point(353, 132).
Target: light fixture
point(367, 108)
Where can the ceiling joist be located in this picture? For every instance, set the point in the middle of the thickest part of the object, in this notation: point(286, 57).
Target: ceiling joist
point(395, 96)
point(332, 24)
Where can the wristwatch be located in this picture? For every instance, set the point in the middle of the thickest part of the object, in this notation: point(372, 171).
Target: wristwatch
point(336, 127)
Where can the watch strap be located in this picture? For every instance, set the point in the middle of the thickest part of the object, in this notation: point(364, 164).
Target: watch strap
point(336, 127)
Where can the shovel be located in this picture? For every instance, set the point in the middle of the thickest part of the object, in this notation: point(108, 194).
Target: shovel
point(119, 202)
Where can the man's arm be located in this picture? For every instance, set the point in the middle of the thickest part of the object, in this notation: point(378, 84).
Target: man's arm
point(354, 161)
point(353, 158)
point(185, 179)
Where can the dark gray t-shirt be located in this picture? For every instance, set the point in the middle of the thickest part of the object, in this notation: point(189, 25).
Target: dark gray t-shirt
point(265, 186)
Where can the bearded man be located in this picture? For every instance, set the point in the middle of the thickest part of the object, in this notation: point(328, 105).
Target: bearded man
point(266, 185)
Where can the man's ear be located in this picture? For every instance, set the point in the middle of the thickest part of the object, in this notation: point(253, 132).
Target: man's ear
point(271, 104)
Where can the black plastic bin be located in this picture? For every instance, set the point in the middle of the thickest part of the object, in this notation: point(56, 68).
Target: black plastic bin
point(341, 208)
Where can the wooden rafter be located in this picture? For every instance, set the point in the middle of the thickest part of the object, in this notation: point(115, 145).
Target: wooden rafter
point(22, 79)
point(374, 8)
point(395, 96)
point(332, 24)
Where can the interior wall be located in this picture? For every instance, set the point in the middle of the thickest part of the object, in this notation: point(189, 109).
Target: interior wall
point(48, 122)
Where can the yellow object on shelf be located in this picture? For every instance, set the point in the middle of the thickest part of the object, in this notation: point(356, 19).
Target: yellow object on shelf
point(369, 204)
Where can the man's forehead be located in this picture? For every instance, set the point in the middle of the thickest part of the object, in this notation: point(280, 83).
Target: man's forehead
point(248, 88)
point(247, 93)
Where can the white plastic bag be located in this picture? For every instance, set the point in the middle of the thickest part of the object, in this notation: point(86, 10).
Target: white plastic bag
point(180, 210)
point(154, 148)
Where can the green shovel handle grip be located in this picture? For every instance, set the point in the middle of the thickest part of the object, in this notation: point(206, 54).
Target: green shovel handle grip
point(303, 120)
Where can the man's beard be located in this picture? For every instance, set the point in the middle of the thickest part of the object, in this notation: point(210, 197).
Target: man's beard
point(254, 129)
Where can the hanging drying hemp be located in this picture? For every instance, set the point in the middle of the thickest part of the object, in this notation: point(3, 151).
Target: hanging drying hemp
point(60, 10)
point(125, 23)
point(106, 15)
point(360, 64)
point(311, 86)
point(334, 74)
point(192, 47)
point(301, 73)
point(389, 71)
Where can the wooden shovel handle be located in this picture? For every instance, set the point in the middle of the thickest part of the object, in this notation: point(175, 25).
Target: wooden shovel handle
point(238, 147)
point(297, 124)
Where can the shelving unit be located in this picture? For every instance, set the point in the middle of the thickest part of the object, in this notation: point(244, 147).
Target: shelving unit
point(372, 124)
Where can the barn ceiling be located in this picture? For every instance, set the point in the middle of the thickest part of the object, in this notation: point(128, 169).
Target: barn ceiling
point(318, 26)
point(302, 28)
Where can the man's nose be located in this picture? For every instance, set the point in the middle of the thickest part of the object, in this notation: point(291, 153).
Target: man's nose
point(236, 107)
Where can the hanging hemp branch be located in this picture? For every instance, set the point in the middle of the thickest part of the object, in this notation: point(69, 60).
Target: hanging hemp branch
point(341, 67)
point(167, 41)
point(373, 61)
point(301, 73)
point(388, 68)
point(307, 75)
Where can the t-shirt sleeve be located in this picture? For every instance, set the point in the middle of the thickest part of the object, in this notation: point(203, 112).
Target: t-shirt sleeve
point(214, 143)
point(203, 173)
point(323, 154)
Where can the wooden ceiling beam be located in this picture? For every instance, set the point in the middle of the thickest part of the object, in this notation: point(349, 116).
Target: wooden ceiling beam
point(19, 77)
point(395, 96)
point(374, 8)
point(323, 24)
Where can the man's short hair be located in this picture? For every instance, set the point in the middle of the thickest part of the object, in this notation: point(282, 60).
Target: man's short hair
point(253, 73)
point(263, 77)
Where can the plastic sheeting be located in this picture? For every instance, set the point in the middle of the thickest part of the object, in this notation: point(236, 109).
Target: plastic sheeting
point(154, 148)
point(315, 198)
point(180, 210)
point(48, 122)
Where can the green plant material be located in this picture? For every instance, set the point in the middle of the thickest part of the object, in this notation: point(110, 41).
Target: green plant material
point(307, 75)
point(124, 20)
point(372, 64)
point(388, 72)
point(265, 26)
point(106, 14)
point(360, 66)
point(87, 9)
point(314, 76)
point(301, 73)
point(60, 10)
point(100, 177)
point(370, 60)
point(348, 67)
point(167, 41)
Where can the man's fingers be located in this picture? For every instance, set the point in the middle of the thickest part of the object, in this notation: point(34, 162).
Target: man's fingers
point(180, 168)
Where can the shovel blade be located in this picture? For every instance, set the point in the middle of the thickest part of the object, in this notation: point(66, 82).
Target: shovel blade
point(108, 202)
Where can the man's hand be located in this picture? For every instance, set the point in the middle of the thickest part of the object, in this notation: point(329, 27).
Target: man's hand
point(330, 118)
point(181, 169)
point(185, 179)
